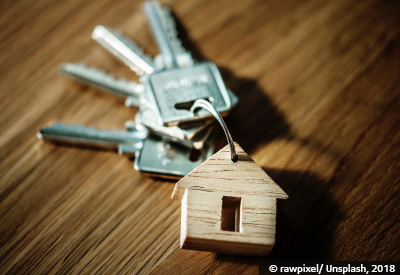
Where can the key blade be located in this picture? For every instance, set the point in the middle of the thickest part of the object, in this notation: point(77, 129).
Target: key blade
point(77, 134)
point(102, 80)
point(124, 49)
point(164, 31)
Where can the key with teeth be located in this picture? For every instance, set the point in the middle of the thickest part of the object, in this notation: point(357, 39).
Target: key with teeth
point(153, 156)
point(169, 160)
point(174, 81)
point(124, 49)
point(193, 137)
point(130, 90)
point(172, 91)
point(168, 86)
point(163, 27)
point(133, 91)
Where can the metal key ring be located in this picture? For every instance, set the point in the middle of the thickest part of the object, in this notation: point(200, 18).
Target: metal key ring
point(202, 103)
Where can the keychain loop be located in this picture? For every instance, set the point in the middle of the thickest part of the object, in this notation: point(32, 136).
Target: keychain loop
point(202, 103)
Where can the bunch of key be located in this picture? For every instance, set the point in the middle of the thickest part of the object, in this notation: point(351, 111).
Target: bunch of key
point(167, 138)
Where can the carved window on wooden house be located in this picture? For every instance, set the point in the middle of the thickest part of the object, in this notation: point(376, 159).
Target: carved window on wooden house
point(231, 215)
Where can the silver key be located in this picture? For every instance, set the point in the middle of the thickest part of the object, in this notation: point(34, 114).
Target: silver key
point(163, 27)
point(169, 160)
point(173, 90)
point(125, 141)
point(130, 90)
point(159, 158)
point(172, 81)
point(124, 49)
point(191, 137)
point(194, 137)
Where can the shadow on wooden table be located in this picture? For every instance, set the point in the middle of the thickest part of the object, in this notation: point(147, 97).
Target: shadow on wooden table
point(256, 119)
point(306, 221)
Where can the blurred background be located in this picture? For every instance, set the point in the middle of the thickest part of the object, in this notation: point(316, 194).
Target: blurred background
point(319, 90)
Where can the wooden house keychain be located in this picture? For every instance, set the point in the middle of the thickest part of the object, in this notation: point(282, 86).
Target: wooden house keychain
point(228, 203)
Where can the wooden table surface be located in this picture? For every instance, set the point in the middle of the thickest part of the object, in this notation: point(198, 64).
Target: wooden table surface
point(319, 89)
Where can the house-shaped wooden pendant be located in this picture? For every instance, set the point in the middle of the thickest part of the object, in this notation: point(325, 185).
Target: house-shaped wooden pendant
point(228, 207)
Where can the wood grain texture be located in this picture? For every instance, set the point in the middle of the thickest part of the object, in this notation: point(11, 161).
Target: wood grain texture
point(228, 207)
point(318, 83)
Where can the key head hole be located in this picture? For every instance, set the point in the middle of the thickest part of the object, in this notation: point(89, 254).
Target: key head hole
point(188, 104)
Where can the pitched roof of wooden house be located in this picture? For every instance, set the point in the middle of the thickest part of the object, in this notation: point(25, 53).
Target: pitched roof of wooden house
point(220, 174)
